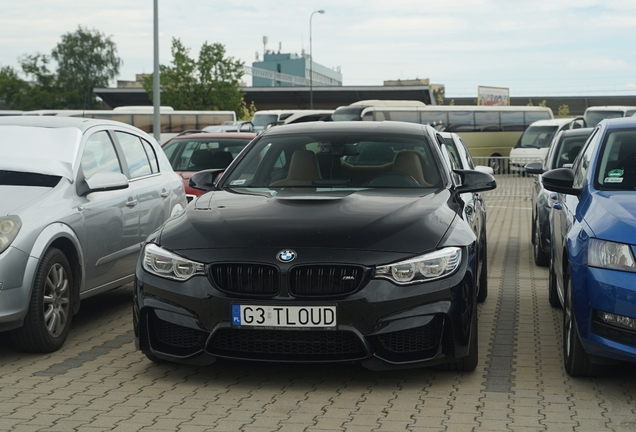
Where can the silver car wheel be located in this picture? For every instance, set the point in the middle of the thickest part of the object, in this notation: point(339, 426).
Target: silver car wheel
point(56, 300)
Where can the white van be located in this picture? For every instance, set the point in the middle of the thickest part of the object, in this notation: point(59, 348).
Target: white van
point(535, 141)
point(264, 119)
point(593, 115)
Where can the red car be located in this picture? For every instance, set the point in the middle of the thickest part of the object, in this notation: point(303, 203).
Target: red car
point(194, 151)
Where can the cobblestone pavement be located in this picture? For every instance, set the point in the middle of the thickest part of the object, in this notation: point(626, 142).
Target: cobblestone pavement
point(98, 382)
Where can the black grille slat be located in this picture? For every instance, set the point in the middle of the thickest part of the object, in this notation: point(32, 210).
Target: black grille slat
point(253, 279)
point(411, 344)
point(172, 339)
point(287, 345)
point(177, 336)
point(325, 280)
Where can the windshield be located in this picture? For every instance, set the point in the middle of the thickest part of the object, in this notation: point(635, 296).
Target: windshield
point(592, 118)
point(333, 160)
point(347, 114)
point(568, 150)
point(617, 161)
point(199, 154)
point(261, 121)
point(537, 137)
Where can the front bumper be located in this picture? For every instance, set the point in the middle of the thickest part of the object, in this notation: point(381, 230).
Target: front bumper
point(381, 325)
point(607, 291)
point(16, 280)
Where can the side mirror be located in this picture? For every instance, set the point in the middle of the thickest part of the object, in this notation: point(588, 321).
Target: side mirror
point(485, 169)
point(475, 181)
point(102, 182)
point(560, 180)
point(534, 168)
point(205, 180)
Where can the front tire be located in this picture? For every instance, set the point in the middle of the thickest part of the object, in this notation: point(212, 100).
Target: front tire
point(576, 361)
point(540, 258)
point(48, 320)
point(482, 291)
point(553, 294)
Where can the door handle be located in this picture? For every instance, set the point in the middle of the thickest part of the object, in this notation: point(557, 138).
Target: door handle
point(165, 193)
point(131, 202)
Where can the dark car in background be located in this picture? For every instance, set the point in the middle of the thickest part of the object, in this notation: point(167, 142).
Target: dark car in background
point(322, 242)
point(563, 150)
point(593, 264)
point(194, 151)
point(474, 206)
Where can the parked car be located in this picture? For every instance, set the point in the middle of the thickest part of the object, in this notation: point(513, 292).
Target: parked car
point(305, 252)
point(194, 151)
point(563, 150)
point(474, 206)
point(230, 126)
point(595, 114)
point(535, 141)
point(593, 229)
point(78, 197)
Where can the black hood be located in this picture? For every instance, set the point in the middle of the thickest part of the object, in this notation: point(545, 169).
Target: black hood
point(373, 220)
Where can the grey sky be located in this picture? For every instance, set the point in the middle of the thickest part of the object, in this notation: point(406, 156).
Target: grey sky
point(558, 47)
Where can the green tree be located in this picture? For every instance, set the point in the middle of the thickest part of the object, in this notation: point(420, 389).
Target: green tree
point(85, 59)
point(209, 83)
point(39, 91)
point(12, 88)
point(564, 111)
point(43, 91)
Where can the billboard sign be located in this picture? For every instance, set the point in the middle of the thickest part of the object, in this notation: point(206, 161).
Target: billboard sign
point(493, 96)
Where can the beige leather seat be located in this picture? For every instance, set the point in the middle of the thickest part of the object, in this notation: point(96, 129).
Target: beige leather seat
point(410, 162)
point(303, 169)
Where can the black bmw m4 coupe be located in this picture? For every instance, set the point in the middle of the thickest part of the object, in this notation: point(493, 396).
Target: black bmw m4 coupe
point(321, 242)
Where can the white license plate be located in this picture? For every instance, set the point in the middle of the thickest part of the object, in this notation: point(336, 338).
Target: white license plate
point(284, 316)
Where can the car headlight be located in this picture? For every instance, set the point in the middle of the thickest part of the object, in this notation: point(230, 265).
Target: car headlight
point(610, 255)
point(165, 264)
point(9, 228)
point(423, 268)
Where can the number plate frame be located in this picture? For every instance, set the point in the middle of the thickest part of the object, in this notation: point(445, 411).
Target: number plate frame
point(284, 317)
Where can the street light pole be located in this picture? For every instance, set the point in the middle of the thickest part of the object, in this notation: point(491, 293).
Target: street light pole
point(311, 62)
point(156, 92)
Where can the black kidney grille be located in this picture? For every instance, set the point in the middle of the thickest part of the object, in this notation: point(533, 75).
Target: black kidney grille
point(253, 279)
point(287, 345)
point(325, 280)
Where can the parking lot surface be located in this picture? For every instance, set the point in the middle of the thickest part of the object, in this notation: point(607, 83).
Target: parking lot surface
point(99, 382)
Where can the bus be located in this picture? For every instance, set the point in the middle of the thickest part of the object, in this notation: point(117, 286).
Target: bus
point(488, 131)
point(173, 121)
point(593, 115)
point(267, 118)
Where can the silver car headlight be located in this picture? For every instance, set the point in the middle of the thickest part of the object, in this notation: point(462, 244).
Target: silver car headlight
point(165, 264)
point(9, 229)
point(423, 268)
point(610, 255)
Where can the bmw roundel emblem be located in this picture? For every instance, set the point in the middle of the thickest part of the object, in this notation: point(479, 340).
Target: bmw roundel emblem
point(286, 256)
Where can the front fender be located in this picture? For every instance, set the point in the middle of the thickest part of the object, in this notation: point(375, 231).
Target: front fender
point(58, 234)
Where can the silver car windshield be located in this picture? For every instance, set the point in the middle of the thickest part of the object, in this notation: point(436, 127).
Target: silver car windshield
point(42, 150)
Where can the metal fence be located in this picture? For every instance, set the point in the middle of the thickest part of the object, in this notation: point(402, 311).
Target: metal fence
point(510, 183)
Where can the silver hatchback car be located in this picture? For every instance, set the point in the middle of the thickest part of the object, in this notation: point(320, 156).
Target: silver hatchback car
point(78, 197)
